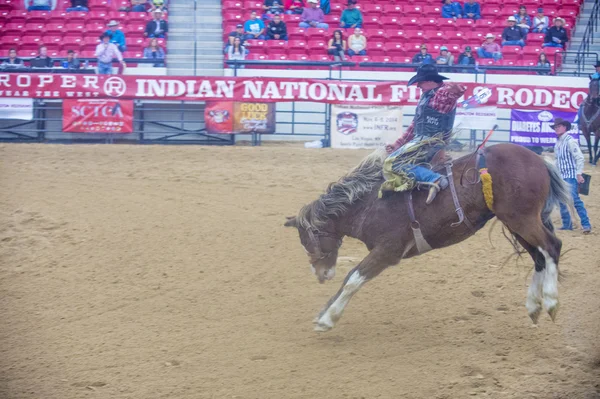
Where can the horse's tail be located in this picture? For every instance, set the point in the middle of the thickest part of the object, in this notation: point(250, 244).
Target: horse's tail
point(559, 193)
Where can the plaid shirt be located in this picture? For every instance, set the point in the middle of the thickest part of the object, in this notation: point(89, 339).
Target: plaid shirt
point(444, 101)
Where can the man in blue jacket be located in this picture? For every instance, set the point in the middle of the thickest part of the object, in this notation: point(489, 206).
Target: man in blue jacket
point(451, 9)
point(117, 35)
point(472, 10)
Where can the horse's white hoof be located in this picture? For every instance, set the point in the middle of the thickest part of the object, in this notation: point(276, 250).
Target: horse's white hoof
point(321, 327)
point(553, 311)
point(535, 315)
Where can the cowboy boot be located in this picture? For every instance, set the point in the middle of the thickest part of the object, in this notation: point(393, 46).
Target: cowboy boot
point(436, 187)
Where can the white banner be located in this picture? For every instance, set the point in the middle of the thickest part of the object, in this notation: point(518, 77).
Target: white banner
point(16, 108)
point(480, 118)
point(364, 126)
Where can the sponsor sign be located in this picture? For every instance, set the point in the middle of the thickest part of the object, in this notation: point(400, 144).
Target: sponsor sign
point(16, 108)
point(355, 126)
point(267, 89)
point(98, 116)
point(532, 128)
point(239, 117)
point(483, 118)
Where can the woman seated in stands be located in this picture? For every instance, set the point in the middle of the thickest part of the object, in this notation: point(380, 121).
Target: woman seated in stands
point(155, 52)
point(236, 52)
point(337, 46)
point(543, 62)
point(357, 43)
point(523, 20)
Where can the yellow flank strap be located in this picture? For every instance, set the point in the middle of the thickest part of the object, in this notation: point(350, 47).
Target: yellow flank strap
point(488, 194)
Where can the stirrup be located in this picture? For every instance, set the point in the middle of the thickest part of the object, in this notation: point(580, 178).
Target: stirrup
point(436, 188)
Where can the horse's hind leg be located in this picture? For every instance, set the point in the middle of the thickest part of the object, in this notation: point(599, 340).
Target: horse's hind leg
point(544, 248)
point(373, 264)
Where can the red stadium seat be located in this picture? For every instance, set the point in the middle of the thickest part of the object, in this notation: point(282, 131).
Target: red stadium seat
point(34, 29)
point(317, 34)
point(297, 47)
point(298, 57)
point(428, 23)
point(372, 10)
point(317, 46)
point(378, 35)
point(95, 29)
point(456, 37)
point(464, 24)
point(391, 22)
point(276, 47)
point(416, 35)
point(31, 42)
point(18, 16)
point(392, 10)
point(253, 5)
point(410, 22)
point(371, 22)
point(135, 29)
point(432, 11)
point(396, 35)
point(332, 20)
point(98, 17)
point(13, 29)
point(78, 17)
point(394, 49)
point(75, 28)
point(412, 10)
point(296, 33)
point(233, 6)
point(375, 49)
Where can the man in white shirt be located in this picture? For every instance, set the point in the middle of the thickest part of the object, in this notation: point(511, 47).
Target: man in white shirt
point(105, 52)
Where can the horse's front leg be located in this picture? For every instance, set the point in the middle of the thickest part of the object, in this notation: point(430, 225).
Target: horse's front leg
point(377, 261)
point(596, 151)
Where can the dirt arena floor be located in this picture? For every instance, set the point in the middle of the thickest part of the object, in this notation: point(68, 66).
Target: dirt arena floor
point(166, 272)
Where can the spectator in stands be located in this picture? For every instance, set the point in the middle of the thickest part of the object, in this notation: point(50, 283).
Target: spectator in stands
point(595, 75)
point(116, 36)
point(272, 7)
point(313, 17)
point(236, 52)
point(276, 30)
point(254, 28)
point(138, 5)
point(357, 43)
point(157, 27)
point(471, 10)
point(466, 58)
point(155, 52)
point(556, 36)
point(78, 5)
point(489, 48)
point(543, 62)
point(451, 9)
point(523, 20)
point(351, 16)
point(512, 34)
point(238, 32)
point(445, 58)
point(40, 5)
point(156, 5)
point(43, 55)
point(72, 61)
point(540, 22)
point(13, 60)
point(106, 51)
point(423, 57)
point(294, 6)
point(337, 46)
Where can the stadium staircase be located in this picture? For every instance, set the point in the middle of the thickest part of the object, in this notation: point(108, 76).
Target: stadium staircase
point(570, 67)
point(195, 38)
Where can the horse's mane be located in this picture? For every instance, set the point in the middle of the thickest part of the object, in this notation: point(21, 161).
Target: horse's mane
point(339, 195)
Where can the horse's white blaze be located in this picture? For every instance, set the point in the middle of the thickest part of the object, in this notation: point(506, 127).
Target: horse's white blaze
point(550, 282)
point(335, 310)
point(534, 294)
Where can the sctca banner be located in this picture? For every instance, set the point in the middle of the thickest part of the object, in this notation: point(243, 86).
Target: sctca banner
point(98, 116)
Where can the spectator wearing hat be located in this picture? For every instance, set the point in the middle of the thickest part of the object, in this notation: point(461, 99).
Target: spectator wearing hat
point(444, 59)
point(254, 28)
point(466, 58)
point(158, 27)
point(512, 35)
point(471, 10)
point(272, 7)
point(13, 60)
point(40, 5)
point(556, 36)
point(357, 43)
point(540, 22)
point(351, 16)
point(238, 32)
point(423, 57)
point(106, 51)
point(294, 6)
point(596, 75)
point(523, 20)
point(139, 5)
point(489, 48)
point(157, 5)
point(313, 17)
point(116, 35)
point(276, 30)
point(78, 5)
point(451, 9)
point(570, 160)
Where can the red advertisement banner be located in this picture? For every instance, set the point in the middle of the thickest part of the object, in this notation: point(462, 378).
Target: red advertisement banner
point(266, 89)
point(239, 117)
point(218, 117)
point(98, 116)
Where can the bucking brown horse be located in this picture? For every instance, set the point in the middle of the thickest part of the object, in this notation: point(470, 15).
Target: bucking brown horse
point(525, 190)
point(589, 120)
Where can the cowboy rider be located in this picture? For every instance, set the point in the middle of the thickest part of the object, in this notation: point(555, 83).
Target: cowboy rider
point(596, 76)
point(430, 129)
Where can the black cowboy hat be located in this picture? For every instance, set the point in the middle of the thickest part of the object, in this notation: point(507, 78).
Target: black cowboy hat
point(561, 121)
point(597, 64)
point(427, 73)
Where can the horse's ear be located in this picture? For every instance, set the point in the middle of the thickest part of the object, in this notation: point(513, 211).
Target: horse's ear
point(291, 222)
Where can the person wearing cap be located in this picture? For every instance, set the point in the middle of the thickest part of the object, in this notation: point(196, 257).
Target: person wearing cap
point(445, 58)
point(523, 20)
point(429, 130)
point(254, 28)
point(238, 32)
point(489, 48)
point(471, 10)
point(116, 35)
point(156, 5)
point(158, 26)
point(596, 75)
point(540, 22)
point(312, 16)
point(351, 17)
point(512, 35)
point(272, 7)
point(106, 51)
point(276, 30)
point(423, 57)
point(570, 160)
point(556, 36)
point(466, 58)
point(451, 9)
